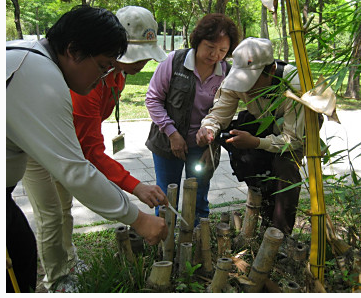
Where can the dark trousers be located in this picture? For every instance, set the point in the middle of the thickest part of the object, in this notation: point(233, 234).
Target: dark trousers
point(21, 246)
point(279, 210)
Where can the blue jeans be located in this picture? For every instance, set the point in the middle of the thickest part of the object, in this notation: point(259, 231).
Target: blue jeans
point(170, 171)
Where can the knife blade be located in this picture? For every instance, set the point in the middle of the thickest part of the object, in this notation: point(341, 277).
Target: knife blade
point(176, 213)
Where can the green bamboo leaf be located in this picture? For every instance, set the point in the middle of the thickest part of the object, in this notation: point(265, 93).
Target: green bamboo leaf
point(340, 78)
point(288, 187)
point(267, 121)
point(354, 147)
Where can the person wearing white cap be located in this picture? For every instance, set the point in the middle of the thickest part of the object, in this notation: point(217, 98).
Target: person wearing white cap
point(254, 71)
point(180, 94)
point(50, 199)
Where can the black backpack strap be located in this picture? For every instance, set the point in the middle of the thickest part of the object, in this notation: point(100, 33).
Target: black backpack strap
point(228, 67)
point(23, 49)
point(279, 72)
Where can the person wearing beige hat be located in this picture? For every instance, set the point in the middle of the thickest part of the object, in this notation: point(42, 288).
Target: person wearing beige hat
point(253, 78)
point(50, 200)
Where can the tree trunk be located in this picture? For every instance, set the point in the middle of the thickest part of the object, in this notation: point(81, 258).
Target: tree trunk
point(172, 40)
point(305, 11)
point(185, 37)
point(17, 18)
point(353, 85)
point(320, 19)
point(221, 6)
point(239, 21)
point(284, 31)
point(264, 25)
point(37, 22)
point(165, 35)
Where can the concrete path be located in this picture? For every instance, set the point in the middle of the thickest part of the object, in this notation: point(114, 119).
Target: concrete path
point(137, 159)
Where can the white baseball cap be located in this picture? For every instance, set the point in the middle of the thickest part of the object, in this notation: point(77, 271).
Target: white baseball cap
point(142, 35)
point(249, 59)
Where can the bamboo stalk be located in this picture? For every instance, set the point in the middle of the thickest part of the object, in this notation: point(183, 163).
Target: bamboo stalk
point(313, 151)
point(271, 286)
point(168, 244)
point(223, 240)
point(339, 246)
point(190, 186)
point(123, 242)
point(220, 278)
point(237, 221)
point(250, 220)
point(9, 267)
point(160, 251)
point(313, 284)
point(206, 246)
point(197, 259)
point(341, 263)
point(356, 271)
point(185, 255)
point(159, 278)
point(264, 260)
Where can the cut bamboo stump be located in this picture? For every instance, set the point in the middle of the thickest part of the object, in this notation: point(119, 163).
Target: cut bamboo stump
point(290, 286)
point(253, 206)
point(197, 259)
point(168, 244)
point(225, 217)
point(207, 267)
point(185, 255)
point(264, 260)
point(356, 271)
point(250, 220)
point(136, 242)
point(223, 239)
point(236, 221)
point(123, 242)
point(190, 187)
point(313, 284)
point(300, 252)
point(159, 279)
point(220, 278)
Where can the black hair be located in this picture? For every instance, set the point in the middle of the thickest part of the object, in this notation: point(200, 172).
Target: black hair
point(88, 31)
point(267, 69)
point(211, 26)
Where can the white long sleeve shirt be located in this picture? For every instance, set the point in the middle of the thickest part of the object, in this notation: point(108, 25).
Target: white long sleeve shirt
point(39, 123)
point(291, 131)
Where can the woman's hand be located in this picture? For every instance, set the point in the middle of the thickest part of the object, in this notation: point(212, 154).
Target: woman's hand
point(178, 145)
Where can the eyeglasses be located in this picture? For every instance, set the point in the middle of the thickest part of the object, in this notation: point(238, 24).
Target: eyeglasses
point(101, 69)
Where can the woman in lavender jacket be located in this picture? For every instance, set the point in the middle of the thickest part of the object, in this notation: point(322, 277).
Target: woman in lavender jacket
point(180, 94)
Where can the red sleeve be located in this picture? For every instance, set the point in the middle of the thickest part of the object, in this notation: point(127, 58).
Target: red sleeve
point(87, 122)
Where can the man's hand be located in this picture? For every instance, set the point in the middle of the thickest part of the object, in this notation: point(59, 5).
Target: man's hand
point(204, 136)
point(152, 228)
point(178, 145)
point(243, 140)
point(152, 195)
